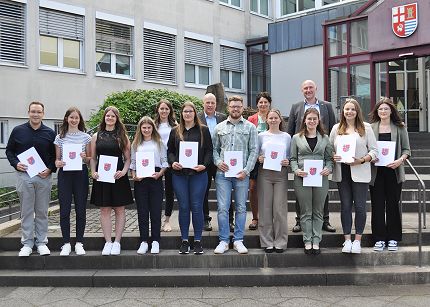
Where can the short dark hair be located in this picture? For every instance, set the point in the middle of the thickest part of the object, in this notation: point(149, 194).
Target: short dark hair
point(263, 95)
point(36, 103)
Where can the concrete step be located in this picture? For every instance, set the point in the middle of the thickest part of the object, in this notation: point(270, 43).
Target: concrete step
point(215, 277)
point(256, 258)
point(172, 241)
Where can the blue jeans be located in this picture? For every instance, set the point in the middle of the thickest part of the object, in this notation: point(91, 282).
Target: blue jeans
point(190, 192)
point(223, 194)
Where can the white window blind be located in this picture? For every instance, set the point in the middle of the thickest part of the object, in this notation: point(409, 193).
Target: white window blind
point(159, 56)
point(198, 52)
point(61, 24)
point(231, 59)
point(12, 32)
point(114, 37)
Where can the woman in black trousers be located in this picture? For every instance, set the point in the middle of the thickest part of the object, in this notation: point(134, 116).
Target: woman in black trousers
point(386, 184)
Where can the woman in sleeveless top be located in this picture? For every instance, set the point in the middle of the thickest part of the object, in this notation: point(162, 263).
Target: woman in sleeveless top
point(111, 140)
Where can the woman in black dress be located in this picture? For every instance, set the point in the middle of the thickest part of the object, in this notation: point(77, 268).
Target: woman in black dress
point(111, 140)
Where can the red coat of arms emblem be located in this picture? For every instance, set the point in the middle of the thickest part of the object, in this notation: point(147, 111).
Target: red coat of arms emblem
point(72, 155)
point(107, 167)
point(274, 154)
point(312, 170)
point(188, 152)
point(385, 151)
point(346, 147)
point(145, 162)
point(31, 160)
point(233, 162)
point(404, 19)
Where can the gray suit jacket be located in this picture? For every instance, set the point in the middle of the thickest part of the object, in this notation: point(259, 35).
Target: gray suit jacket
point(400, 136)
point(296, 116)
point(219, 117)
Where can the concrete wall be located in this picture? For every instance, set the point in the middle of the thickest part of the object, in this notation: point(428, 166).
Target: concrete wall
point(289, 70)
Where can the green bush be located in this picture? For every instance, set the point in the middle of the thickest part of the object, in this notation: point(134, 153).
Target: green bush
point(133, 104)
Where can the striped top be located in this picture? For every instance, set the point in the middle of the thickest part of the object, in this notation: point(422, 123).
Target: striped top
point(78, 137)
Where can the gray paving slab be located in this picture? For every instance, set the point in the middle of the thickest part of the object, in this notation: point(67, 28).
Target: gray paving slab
point(15, 302)
point(70, 302)
point(60, 294)
point(303, 302)
point(183, 293)
point(4, 292)
point(186, 302)
point(255, 292)
point(30, 293)
point(416, 301)
point(105, 293)
point(222, 292)
point(145, 293)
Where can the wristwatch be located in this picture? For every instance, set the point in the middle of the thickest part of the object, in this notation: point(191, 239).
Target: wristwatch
point(364, 161)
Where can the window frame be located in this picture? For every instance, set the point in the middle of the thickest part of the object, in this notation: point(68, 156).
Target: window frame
point(197, 76)
point(229, 4)
point(318, 5)
point(258, 12)
point(4, 132)
point(242, 48)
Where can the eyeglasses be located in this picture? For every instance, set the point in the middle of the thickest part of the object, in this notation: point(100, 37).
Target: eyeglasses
point(188, 111)
point(235, 107)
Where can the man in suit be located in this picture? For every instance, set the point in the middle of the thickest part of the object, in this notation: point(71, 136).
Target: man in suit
point(210, 118)
point(295, 119)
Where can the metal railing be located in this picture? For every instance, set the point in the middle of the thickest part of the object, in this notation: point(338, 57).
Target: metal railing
point(421, 211)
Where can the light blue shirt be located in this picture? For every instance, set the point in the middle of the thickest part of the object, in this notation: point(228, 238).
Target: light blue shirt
point(211, 123)
point(315, 106)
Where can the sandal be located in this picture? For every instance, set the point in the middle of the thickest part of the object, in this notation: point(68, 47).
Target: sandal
point(253, 225)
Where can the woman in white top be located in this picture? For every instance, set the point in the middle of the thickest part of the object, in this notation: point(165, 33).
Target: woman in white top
point(272, 186)
point(353, 178)
point(148, 191)
point(164, 121)
point(72, 183)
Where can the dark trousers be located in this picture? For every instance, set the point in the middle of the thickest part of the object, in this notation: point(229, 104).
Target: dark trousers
point(325, 214)
point(211, 175)
point(149, 197)
point(168, 192)
point(385, 197)
point(73, 184)
point(352, 194)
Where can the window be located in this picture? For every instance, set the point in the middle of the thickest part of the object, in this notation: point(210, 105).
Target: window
point(261, 7)
point(337, 40)
point(198, 62)
point(293, 6)
point(12, 32)
point(159, 56)
point(231, 65)
point(236, 3)
point(3, 132)
point(114, 48)
point(61, 39)
point(258, 71)
point(359, 36)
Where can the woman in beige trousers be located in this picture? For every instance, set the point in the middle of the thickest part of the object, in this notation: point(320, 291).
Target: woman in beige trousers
point(272, 186)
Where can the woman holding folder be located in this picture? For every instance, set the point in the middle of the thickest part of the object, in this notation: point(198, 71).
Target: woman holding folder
point(311, 145)
point(386, 184)
point(111, 140)
point(190, 142)
point(148, 188)
point(353, 175)
point(72, 183)
point(272, 184)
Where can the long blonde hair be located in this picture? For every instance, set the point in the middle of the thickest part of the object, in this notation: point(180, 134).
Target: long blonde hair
point(359, 123)
point(138, 136)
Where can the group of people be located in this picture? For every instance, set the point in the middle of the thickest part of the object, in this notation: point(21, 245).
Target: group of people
point(312, 134)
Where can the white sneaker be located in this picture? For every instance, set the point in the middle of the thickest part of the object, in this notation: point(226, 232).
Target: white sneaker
point(79, 249)
point(66, 249)
point(143, 248)
point(221, 248)
point(241, 249)
point(356, 247)
point(116, 249)
point(347, 245)
point(392, 246)
point(155, 249)
point(379, 246)
point(107, 249)
point(25, 251)
point(43, 250)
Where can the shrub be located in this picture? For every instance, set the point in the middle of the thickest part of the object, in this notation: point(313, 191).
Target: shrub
point(133, 104)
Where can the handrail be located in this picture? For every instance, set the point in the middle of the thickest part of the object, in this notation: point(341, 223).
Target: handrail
point(421, 204)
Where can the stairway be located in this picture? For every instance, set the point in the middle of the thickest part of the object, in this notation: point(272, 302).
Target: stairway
point(169, 269)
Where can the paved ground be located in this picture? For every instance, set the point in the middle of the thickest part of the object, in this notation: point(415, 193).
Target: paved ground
point(415, 295)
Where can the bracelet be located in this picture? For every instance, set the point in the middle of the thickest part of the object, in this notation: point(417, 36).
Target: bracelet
point(364, 161)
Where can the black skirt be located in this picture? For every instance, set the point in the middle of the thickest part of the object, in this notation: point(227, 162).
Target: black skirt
point(116, 194)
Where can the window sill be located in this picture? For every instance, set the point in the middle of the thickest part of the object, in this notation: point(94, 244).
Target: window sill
point(160, 82)
point(200, 86)
point(63, 70)
point(121, 77)
point(233, 90)
point(262, 16)
point(13, 65)
point(232, 6)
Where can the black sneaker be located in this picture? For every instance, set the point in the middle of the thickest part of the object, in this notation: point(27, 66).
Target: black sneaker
point(207, 226)
point(185, 248)
point(198, 248)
